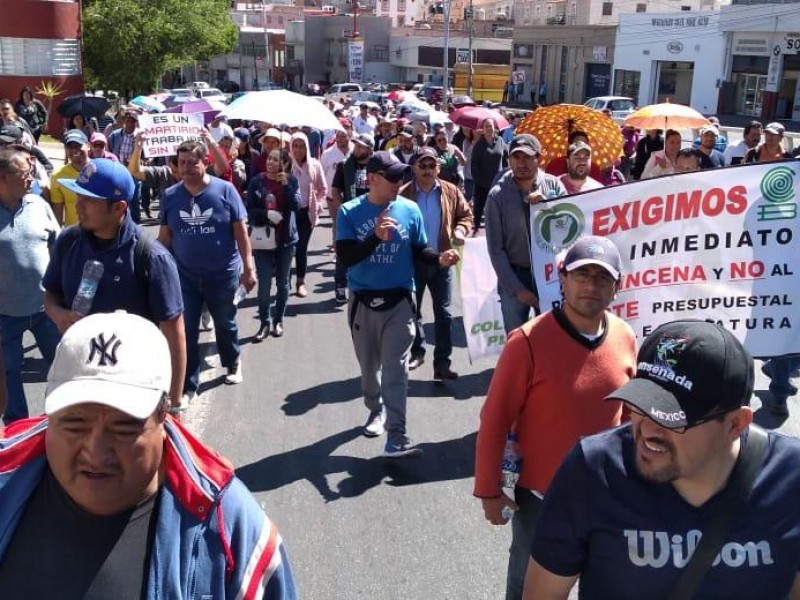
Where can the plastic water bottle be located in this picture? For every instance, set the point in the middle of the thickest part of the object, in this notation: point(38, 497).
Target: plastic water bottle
point(512, 462)
point(92, 272)
point(241, 293)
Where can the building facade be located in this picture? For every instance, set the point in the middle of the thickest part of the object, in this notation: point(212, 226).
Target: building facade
point(761, 73)
point(401, 13)
point(599, 12)
point(419, 54)
point(40, 42)
point(324, 46)
point(574, 65)
point(676, 57)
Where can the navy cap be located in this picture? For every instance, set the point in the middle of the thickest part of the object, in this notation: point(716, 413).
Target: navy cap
point(387, 165)
point(426, 152)
point(688, 371)
point(75, 136)
point(102, 179)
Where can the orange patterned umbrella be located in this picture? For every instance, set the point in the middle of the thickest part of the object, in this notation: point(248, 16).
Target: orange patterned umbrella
point(552, 125)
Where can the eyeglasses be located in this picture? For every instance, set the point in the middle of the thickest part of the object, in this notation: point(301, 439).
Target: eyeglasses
point(98, 145)
point(427, 166)
point(29, 173)
point(601, 279)
point(681, 430)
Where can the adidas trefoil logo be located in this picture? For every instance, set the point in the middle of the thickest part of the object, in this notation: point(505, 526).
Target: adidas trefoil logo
point(196, 217)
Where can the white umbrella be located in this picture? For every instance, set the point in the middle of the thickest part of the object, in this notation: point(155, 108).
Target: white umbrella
point(282, 107)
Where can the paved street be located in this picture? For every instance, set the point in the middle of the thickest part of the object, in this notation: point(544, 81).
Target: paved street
point(356, 526)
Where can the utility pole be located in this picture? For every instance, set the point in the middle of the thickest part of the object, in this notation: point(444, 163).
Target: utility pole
point(469, 65)
point(446, 82)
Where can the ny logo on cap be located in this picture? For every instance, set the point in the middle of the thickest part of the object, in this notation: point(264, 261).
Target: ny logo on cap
point(86, 172)
point(104, 351)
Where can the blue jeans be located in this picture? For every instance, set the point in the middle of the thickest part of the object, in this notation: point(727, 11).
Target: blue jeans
point(440, 288)
point(218, 297)
point(780, 371)
point(515, 313)
point(523, 525)
point(135, 205)
point(11, 330)
point(281, 261)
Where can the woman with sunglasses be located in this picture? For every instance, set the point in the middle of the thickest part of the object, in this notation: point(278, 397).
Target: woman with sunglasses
point(450, 158)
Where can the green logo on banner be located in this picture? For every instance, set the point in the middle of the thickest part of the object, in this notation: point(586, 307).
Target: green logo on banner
point(558, 227)
point(777, 187)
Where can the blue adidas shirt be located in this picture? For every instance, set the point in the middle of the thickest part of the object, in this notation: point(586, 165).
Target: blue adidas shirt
point(391, 264)
point(630, 538)
point(202, 229)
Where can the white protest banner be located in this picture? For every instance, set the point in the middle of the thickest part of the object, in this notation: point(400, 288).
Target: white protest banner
point(165, 132)
point(719, 244)
point(480, 302)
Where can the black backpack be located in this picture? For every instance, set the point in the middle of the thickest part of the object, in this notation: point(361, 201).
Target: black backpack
point(141, 254)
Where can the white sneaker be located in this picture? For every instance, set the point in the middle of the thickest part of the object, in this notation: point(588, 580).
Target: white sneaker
point(234, 375)
point(375, 423)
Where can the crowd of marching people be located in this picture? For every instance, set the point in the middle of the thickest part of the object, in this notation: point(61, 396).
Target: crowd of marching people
point(254, 192)
point(236, 211)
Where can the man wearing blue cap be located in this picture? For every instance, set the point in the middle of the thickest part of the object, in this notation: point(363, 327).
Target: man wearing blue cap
point(139, 274)
point(76, 145)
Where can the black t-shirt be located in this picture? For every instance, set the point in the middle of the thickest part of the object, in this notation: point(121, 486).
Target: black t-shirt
point(358, 187)
point(61, 551)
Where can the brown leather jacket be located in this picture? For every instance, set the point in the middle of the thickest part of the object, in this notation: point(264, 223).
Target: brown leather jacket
point(456, 212)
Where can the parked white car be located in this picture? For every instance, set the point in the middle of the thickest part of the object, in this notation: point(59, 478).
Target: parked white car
point(338, 91)
point(211, 94)
point(620, 106)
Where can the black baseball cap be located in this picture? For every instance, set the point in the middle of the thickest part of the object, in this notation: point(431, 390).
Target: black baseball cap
point(525, 143)
point(387, 165)
point(425, 152)
point(686, 371)
point(594, 250)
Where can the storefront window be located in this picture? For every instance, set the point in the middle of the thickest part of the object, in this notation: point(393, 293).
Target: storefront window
point(626, 83)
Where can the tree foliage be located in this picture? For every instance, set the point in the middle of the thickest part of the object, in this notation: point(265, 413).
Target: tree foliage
point(128, 44)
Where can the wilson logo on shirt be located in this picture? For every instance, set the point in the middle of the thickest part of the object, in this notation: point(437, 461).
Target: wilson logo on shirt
point(196, 216)
point(656, 549)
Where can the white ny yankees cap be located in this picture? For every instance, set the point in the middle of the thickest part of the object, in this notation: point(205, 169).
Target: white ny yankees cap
point(115, 359)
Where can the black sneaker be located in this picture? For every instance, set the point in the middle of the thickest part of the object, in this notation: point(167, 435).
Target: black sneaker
point(262, 333)
point(341, 296)
point(403, 449)
point(444, 373)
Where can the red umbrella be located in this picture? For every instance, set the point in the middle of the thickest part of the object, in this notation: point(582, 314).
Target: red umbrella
point(474, 116)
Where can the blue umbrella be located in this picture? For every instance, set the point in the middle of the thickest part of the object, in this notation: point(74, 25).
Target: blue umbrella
point(149, 104)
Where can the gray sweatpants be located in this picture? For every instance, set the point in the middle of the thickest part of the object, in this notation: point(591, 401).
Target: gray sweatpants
point(382, 340)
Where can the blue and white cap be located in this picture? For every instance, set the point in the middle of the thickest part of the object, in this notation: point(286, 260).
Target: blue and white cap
point(102, 179)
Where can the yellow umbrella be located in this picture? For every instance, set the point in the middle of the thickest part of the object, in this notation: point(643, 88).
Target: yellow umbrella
point(552, 125)
point(666, 116)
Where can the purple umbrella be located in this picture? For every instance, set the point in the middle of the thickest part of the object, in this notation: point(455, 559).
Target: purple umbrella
point(209, 108)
